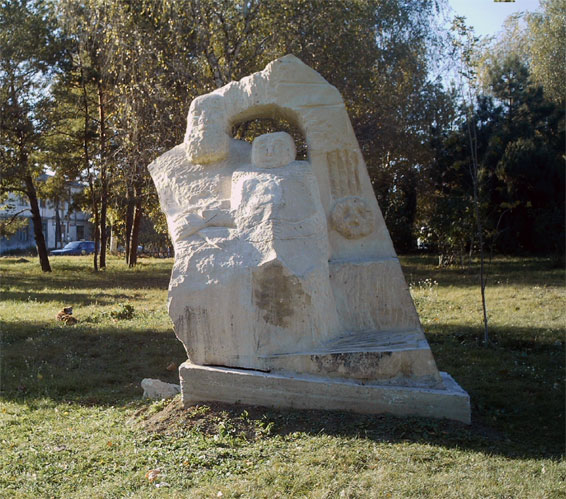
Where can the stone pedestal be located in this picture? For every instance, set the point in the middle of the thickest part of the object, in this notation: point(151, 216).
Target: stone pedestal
point(239, 386)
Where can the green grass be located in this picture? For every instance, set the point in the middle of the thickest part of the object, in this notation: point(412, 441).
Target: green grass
point(73, 424)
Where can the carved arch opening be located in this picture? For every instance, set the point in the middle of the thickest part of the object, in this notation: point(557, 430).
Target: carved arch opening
point(251, 128)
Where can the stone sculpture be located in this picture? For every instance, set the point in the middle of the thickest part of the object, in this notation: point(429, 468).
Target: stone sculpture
point(286, 289)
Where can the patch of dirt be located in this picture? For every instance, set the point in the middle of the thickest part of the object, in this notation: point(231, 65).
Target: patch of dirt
point(209, 419)
point(253, 422)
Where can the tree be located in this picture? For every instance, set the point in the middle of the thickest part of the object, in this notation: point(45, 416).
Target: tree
point(501, 169)
point(144, 101)
point(465, 48)
point(84, 89)
point(68, 148)
point(547, 49)
point(527, 163)
point(154, 57)
point(28, 51)
point(523, 70)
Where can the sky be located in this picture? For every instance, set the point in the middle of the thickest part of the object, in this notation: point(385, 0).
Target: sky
point(487, 16)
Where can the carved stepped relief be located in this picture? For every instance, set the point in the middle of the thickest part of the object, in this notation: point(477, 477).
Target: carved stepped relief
point(344, 175)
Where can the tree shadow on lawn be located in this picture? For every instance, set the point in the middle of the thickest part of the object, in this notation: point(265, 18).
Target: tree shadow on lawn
point(517, 391)
point(502, 270)
point(84, 364)
point(70, 297)
point(85, 279)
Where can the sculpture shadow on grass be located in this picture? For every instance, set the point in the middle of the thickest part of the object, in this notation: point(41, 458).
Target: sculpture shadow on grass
point(517, 388)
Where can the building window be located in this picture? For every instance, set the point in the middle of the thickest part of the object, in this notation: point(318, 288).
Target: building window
point(23, 234)
point(80, 232)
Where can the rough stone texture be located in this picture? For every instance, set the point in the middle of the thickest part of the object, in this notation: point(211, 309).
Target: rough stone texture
point(286, 266)
point(157, 389)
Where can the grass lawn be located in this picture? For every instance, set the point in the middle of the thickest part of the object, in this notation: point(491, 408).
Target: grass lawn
point(73, 424)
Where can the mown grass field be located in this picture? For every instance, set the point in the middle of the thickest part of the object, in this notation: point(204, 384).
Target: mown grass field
point(73, 424)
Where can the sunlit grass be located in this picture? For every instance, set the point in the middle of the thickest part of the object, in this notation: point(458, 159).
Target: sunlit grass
point(71, 398)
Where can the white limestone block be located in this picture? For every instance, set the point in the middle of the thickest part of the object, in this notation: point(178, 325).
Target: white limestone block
point(157, 389)
point(281, 265)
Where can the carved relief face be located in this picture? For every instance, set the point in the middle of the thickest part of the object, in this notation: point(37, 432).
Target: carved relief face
point(272, 150)
point(352, 217)
point(206, 140)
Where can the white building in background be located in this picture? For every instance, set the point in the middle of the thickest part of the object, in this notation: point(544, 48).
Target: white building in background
point(74, 225)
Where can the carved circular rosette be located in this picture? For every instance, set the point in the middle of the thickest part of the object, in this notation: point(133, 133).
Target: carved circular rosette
point(352, 217)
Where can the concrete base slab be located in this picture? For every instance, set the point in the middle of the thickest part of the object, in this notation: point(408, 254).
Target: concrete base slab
point(222, 384)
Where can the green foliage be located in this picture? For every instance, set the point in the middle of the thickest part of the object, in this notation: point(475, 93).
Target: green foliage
point(140, 64)
point(547, 49)
point(518, 143)
point(154, 57)
point(29, 50)
point(24, 67)
point(10, 224)
point(527, 163)
point(122, 312)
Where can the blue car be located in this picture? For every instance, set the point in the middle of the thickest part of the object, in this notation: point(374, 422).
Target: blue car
point(76, 248)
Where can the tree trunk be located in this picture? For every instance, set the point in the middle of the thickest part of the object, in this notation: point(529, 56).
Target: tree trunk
point(103, 229)
point(87, 166)
point(94, 205)
point(474, 171)
point(135, 231)
point(57, 225)
point(96, 242)
point(129, 222)
point(482, 265)
point(37, 225)
point(103, 177)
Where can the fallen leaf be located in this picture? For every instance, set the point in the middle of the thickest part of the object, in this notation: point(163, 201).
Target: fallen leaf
point(152, 475)
point(172, 366)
